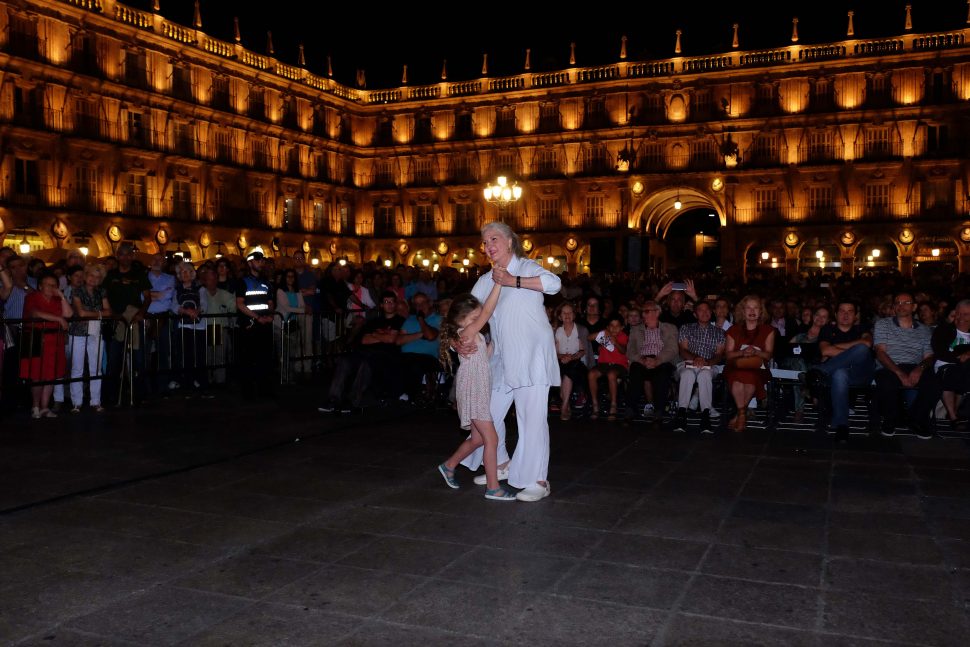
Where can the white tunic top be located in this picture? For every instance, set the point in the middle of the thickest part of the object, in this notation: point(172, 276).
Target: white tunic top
point(525, 351)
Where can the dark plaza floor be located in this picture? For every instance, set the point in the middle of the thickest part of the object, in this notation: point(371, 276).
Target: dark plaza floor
point(205, 522)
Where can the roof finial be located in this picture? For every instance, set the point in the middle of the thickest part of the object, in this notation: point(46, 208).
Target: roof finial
point(968, 12)
point(623, 48)
point(235, 29)
point(851, 30)
point(794, 30)
point(329, 67)
point(156, 7)
point(485, 64)
point(361, 79)
point(734, 41)
point(198, 16)
point(677, 49)
point(909, 17)
point(528, 59)
point(404, 76)
point(444, 70)
point(269, 43)
point(302, 57)
point(572, 53)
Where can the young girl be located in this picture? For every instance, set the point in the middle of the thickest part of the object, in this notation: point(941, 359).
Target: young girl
point(466, 317)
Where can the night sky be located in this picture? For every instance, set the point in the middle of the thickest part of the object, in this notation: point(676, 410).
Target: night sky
point(362, 34)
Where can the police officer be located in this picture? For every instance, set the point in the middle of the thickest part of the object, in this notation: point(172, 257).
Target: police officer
point(255, 352)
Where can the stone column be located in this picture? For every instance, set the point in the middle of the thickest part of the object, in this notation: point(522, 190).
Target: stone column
point(906, 264)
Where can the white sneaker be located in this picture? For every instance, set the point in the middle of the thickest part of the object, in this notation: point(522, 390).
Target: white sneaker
point(648, 411)
point(503, 475)
point(173, 385)
point(534, 493)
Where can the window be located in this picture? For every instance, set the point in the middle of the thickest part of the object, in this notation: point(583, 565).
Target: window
point(136, 69)
point(465, 217)
point(86, 118)
point(596, 159)
point(220, 199)
point(547, 162)
point(136, 129)
point(343, 215)
point(384, 174)
point(385, 132)
point(319, 126)
point(820, 146)
point(293, 161)
point(820, 199)
point(423, 170)
point(703, 153)
point(136, 197)
point(505, 121)
point(766, 96)
point(765, 149)
point(766, 201)
point(422, 129)
point(937, 140)
point(221, 98)
point(822, 95)
point(257, 201)
point(549, 117)
point(290, 113)
point(505, 162)
point(223, 145)
point(260, 154)
point(257, 104)
point(938, 196)
point(182, 82)
point(877, 142)
point(323, 166)
point(595, 207)
point(549, 210)
point(319, 216)
point(877, 199)
point(384, 219)
point(461, 169)
point(702, 104)
point(26, 178)
point(86, 187)
point(182, 199)
point(463, 125)
point(424, 218)
point(184, 133)
point(651, 156)
point(291, 213)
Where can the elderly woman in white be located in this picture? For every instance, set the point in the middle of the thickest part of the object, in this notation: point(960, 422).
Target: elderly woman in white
point(524, 364)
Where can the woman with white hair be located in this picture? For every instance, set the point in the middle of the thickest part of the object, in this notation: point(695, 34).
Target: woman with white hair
point(189, 336)
point(524, 364)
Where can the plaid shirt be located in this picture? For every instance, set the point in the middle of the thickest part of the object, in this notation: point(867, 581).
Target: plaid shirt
point(702, 341)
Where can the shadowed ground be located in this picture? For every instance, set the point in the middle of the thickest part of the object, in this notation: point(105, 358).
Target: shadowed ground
point(205, 522)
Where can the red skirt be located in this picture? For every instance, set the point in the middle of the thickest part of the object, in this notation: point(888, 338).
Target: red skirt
point(44, 357)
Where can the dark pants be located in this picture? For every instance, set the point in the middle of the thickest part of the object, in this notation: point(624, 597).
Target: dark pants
point(353, 370)
point(256, 358)
point(920, 400)
point(417, 366)
point(576, 371)
point(189, 355)
point(659, 377)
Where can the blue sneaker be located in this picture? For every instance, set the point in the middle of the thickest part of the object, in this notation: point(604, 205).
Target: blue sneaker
point(499, 494)
point(449, 476)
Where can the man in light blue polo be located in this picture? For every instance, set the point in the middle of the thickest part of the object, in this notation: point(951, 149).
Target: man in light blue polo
point(159, 327)
point(419, 347)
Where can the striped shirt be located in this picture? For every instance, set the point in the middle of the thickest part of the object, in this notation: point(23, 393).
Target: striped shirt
point(903, 345)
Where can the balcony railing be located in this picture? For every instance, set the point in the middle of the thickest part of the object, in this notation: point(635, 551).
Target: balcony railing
point(821, 153)
point(605, 220)
point(882, 150)
point(765, 158)
point(536, 222)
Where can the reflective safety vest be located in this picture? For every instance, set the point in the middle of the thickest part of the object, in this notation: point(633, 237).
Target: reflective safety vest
point(257, 296)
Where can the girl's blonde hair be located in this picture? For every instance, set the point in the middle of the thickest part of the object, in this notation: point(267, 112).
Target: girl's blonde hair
point(461, 305)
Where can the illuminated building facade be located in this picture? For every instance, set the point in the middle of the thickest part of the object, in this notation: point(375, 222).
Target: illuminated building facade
point(118, 124)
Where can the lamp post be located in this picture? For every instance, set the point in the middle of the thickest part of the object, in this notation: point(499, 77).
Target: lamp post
point(502, 193)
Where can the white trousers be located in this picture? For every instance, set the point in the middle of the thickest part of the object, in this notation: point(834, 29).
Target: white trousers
point(530, 463)
point(704, 377)
point(89, 347)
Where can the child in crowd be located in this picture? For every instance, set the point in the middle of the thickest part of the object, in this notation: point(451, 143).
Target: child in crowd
point(466, 317)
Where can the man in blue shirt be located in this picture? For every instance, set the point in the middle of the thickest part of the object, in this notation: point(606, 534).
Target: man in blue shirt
point(419, 348)
point(158, 328)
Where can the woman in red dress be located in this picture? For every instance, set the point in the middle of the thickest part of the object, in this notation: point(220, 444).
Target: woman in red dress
point(750, 344)
point(44, 358)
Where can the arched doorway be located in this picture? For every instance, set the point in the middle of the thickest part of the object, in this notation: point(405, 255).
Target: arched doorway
point(552, 257)
point(873, 257)
point(819, 256)
point(685, 225)
point(764, 260)
point(936, 258)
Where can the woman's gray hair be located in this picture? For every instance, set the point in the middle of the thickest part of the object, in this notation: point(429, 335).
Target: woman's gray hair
point(183, 267)
point(95, 268)
point(506, 231)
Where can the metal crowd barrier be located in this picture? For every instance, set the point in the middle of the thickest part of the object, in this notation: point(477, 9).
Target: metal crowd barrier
point(130, 358)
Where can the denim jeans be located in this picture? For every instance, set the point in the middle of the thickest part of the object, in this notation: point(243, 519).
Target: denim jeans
point(852, 367)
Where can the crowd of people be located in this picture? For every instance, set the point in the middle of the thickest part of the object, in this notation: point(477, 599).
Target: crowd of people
point(627, 344)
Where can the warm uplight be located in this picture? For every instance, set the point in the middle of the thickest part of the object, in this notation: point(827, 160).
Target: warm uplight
point(314, 262)
point(935, 252)
point(765, 256)
point(876, 253)
point(465, 262)
point(387, 262)
point(819, 254)
point(426, 262)
point(84, 251)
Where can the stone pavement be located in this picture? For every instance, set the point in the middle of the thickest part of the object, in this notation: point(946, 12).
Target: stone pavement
point(207, 523)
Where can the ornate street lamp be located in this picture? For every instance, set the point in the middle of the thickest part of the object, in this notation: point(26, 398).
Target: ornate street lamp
point(502, 193)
